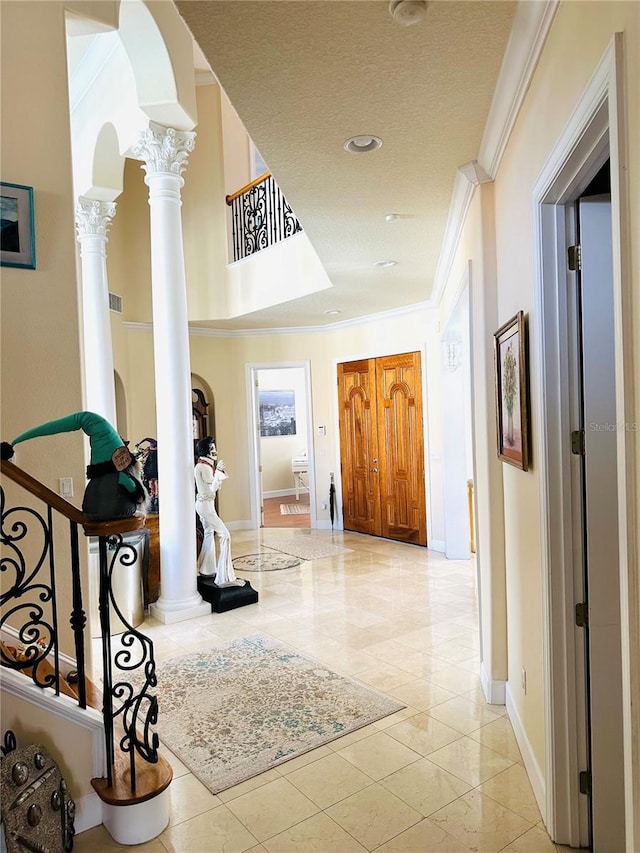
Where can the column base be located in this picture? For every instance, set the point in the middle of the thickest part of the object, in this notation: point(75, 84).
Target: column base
point(225, 598)
point(169, 612)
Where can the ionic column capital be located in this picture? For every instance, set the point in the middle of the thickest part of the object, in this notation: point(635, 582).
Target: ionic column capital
point(164, 150)
point(93, 217)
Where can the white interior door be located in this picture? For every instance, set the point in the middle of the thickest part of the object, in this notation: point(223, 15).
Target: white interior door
point(600, 525)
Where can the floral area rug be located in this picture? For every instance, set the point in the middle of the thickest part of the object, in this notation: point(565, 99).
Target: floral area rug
point(265, 561)
point(306, 547)
point(249, 705)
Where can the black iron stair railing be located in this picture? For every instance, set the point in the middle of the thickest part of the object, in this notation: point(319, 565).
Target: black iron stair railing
point(260, 217)
point(29, 613)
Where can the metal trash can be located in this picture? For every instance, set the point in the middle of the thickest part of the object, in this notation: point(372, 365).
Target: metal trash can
point(126, 582)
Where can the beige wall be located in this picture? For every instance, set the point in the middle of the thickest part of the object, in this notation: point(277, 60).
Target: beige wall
point(70, 745)
point(236, 149)
point(557, 85)
point(561, 77)
point(477, 245)
point(41, 359)
point(205, 213)
point(221, 362)
point(41, 370)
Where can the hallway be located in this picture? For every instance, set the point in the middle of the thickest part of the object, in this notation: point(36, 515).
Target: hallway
point(444, 774)
point(273, 516)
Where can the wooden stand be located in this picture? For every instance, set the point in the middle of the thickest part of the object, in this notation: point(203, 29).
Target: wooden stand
point(152, 585)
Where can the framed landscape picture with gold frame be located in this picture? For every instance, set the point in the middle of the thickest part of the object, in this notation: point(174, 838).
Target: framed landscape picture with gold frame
point(512, 379)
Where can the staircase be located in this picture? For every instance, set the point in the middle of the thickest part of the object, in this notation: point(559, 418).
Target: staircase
point(130, 777)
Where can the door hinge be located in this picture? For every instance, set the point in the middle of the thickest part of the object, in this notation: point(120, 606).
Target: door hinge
point(585, 782)
point(577, 442)
point(575, 257)
point(582, 615)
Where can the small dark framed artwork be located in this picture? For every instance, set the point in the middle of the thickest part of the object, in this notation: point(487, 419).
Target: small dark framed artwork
point(512, 382)
point(17, 235)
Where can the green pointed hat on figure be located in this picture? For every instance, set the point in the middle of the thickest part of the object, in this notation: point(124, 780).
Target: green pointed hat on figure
point(107, 448)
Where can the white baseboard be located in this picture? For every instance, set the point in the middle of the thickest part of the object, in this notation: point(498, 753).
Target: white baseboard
point(240, 525)
point(532, 767)
point(325, 524)
point(282, 493)
point(494, 689)
point(436, 545)
point(88, 812)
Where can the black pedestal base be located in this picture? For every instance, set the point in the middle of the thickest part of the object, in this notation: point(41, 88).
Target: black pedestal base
point(223, 598)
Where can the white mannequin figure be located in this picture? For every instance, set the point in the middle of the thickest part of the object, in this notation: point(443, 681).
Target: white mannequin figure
point(209, 474)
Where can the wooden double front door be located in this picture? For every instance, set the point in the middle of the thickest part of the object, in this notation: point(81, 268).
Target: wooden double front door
point(382, 447)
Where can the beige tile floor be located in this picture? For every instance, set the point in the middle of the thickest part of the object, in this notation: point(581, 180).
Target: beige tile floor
point(444, 775)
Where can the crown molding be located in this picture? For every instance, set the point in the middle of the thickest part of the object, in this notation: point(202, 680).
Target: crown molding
point(199, 331)
point(531, 25)
point(530, 28)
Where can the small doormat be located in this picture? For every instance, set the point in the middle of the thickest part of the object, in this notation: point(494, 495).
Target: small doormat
point(294, 509)
point(266, 561)
point(306, 547)
point(235, 711)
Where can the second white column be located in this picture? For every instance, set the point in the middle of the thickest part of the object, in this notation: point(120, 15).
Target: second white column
point(165, 152)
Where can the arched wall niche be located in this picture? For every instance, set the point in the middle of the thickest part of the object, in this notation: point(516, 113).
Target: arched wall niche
point(202, 390)
point(120, 80)
point(108, 165)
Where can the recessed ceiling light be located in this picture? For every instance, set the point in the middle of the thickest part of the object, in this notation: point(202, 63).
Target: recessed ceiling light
point(332, 311)
point(391, 217)
point(385, 264)
point(363, 144)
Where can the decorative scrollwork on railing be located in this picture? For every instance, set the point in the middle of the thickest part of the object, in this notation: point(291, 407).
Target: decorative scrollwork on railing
point(132, 702)
point(28, 601)
point(291, 224)
point(261, 216)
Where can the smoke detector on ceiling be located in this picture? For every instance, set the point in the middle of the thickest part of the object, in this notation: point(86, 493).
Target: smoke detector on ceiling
point(407, 12)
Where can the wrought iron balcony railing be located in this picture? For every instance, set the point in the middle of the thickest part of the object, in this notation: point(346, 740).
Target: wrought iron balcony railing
point(260, 217)
point(30, 617)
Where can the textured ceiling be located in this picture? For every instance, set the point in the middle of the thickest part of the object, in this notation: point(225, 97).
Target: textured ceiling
point(306, 75)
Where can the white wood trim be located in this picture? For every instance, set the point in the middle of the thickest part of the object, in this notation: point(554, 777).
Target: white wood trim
point(626, 407)
point(536, 776)
point(380, 316)
point(594, 130)
point(529, 32)
point(61, 706)
point(495, 690)
point(279, 493)
point(528, 35)
point(88, 812)
point(463, 190)
point(251, 371)
point(436, 545)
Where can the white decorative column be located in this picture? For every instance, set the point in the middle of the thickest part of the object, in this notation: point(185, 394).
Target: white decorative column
point(165, 153)
point(92, 223)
